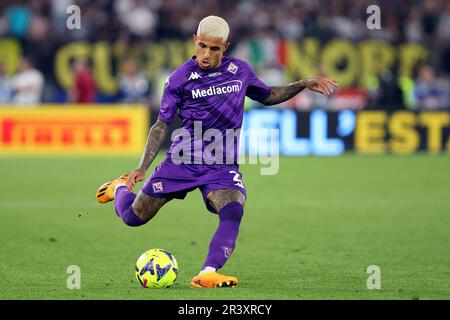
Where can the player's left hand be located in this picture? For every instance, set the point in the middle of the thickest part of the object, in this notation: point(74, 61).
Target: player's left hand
point(134, 177)
point(322, 85)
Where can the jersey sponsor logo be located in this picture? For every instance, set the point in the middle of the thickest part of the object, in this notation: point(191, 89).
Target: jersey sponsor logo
point(215, 74)
point(232, 68)
point(194, 76)
point(157, 186)
point(223, 88)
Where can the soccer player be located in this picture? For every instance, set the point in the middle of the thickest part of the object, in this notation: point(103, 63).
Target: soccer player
point(208, 89)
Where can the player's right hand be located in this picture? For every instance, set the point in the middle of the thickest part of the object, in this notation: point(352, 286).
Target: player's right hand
point(134, 177)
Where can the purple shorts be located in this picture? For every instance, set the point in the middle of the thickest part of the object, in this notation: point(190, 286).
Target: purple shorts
point(174, 181)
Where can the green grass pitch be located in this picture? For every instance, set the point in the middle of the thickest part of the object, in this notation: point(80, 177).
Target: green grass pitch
point(309, 232)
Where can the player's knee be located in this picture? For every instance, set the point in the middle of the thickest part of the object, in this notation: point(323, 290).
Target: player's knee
point(232, 211)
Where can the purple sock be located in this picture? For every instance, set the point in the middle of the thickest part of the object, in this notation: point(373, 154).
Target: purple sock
point(122, 203)
point(224, 240)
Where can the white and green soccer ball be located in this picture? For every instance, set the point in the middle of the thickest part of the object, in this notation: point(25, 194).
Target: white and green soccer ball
point(156, 268)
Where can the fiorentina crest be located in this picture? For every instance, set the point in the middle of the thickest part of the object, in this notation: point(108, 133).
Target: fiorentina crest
point(232, 68)
point(158, 186)
point(227, 251)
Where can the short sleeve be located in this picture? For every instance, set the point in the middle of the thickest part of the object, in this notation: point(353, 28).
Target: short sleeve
point(256, 89)
point(170, 101)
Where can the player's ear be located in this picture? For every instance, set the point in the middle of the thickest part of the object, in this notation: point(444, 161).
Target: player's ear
point(227, 45)
point(194, 37)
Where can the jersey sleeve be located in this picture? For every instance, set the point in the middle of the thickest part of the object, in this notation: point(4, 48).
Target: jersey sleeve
point(256, 89)
point(170, 101)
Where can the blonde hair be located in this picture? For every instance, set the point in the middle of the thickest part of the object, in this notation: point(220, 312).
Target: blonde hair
point(214, 26)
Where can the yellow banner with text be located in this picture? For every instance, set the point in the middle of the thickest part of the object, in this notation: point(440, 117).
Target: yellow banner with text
point(73, 130)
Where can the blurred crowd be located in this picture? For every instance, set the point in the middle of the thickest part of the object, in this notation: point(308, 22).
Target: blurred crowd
point(40, 26)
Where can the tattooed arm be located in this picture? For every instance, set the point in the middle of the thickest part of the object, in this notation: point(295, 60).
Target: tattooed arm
point(155, 138)
point(279, 94)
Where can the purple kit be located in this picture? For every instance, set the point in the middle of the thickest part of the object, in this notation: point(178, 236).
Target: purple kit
point(211, 106)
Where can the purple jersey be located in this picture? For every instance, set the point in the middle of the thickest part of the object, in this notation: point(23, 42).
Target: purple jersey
point(210, 99)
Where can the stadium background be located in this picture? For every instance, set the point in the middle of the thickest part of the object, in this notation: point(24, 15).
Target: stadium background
point(72, 100)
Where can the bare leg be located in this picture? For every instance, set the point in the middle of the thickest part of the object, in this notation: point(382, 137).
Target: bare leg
point(220, 198)
point(146, 207)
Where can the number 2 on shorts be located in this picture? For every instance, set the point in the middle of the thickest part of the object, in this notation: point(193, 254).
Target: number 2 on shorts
point(237, 180)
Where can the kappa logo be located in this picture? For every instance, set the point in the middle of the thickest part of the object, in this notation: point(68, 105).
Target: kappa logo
point(157, 186)
point(232, 68)
point(194, 76)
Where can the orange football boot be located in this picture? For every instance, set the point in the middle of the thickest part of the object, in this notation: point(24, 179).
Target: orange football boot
point(212, 280)
point(106, 192)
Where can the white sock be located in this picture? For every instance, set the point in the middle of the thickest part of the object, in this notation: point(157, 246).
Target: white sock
point(208, 269)
point(117, 187)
